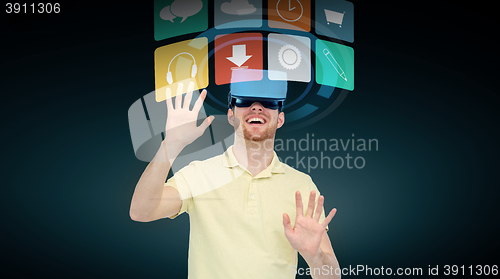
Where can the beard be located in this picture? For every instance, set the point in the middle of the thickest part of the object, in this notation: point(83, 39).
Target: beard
point(259, 136)
point(255, 135)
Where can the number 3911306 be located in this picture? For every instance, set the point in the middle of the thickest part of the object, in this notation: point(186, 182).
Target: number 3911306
point(32, 8)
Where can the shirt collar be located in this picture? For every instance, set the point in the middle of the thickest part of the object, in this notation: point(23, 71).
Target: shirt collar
point(230, 161)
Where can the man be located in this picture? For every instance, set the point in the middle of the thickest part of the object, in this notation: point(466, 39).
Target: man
point(246, 207)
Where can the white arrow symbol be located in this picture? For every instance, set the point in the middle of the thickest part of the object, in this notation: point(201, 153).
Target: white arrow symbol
point(239, 55)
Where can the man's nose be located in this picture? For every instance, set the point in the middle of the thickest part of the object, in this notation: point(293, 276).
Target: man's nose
point(256, 106)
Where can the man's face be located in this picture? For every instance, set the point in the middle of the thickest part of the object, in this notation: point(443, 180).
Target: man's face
point(255, 123)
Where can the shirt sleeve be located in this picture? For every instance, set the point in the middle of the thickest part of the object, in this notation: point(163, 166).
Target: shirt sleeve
point(179, 183)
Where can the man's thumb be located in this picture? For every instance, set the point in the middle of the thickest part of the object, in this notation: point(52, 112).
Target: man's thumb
point(207, 122)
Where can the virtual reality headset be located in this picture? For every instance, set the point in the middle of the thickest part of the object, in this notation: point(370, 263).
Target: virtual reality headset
point(250, 85)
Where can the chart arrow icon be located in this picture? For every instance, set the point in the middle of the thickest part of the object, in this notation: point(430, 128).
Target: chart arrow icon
point(239, 55)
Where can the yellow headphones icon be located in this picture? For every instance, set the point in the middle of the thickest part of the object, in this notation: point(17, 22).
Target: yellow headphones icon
point(194, 69)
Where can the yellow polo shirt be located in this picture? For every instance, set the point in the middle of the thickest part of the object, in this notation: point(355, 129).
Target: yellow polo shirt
point(236, 219)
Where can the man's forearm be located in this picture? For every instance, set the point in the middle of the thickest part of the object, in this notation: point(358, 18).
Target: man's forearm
point(149, 190)
point(326, 264)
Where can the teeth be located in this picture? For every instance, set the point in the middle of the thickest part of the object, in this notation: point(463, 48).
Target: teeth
point(255, 119)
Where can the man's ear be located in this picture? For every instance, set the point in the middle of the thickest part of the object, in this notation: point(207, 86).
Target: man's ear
point(230, 117)
point(281, 119)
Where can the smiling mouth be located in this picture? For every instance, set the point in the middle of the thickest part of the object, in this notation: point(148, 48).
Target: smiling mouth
point(256, 121)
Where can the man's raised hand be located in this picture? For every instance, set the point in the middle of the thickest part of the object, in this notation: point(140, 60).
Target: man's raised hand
point(306, 234)
point(181, 128)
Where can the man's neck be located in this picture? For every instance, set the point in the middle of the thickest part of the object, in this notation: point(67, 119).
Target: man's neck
point(254, 156)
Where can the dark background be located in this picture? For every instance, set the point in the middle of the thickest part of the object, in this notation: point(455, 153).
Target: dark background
point(426, 73)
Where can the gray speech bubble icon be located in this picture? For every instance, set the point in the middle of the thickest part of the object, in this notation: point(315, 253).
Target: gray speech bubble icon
point(165, 14)
point(186, 8)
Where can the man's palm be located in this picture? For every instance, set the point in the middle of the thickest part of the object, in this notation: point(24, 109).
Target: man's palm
point(307, 232)
point(181, 128)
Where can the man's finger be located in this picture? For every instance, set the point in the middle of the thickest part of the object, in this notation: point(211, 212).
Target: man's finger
point(329, 217)
point(310, 206)
point(206, 123)
point(178, 96)
point(298, 203)
point(187, 100)
point(190, 86)
point(319, 208)
point(199, 102)
point(168, 99)
point(287, 223)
